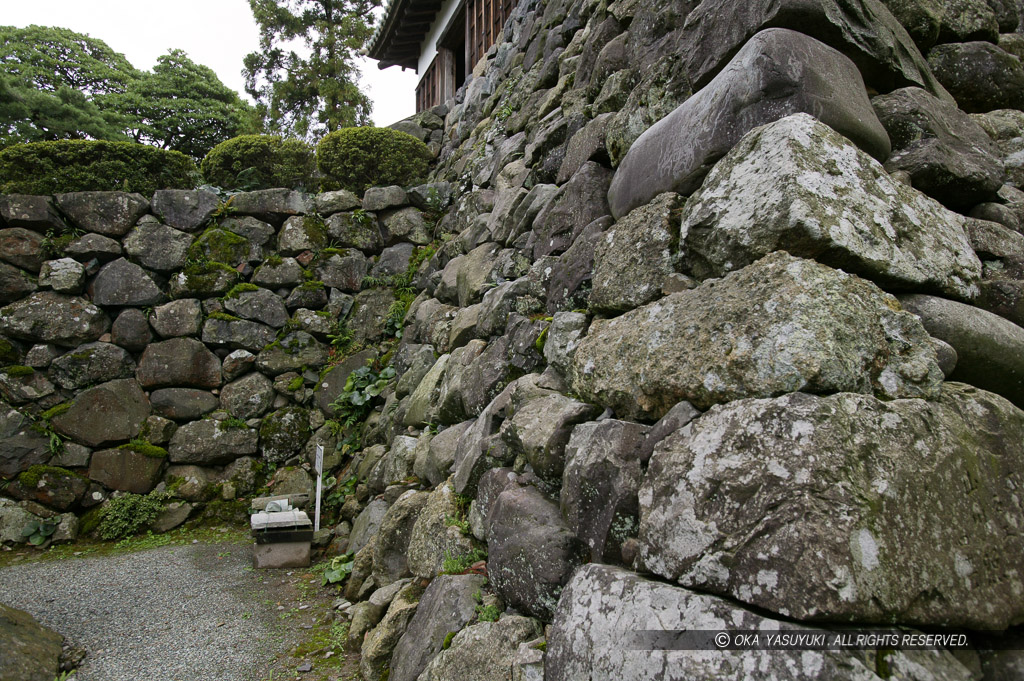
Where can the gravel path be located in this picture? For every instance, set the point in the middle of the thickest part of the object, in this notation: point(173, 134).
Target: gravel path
point(177, 613)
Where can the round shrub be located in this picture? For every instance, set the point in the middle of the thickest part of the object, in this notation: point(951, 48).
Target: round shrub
point(92, 165)
point(357, 158)
point(251, 162)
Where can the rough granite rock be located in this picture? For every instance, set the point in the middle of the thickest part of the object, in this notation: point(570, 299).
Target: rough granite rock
point(177, 318)
point(15, 283)
point(208, 442)
point(158, 247)
point(131, 330)
point(539, 429)
point(379, 644)
point(816, 329)
point(531, 551)
point(32, 212)
point(366, 525)
point(184, 209)
point(483, 652)
point(296, 351)
point(20, 445)
point(989, 349)
point(272, 205)
point(283, 433)
point(948, 155)
point(179, 362)
point(390, 552)
point(110, 412)
point(778, 72)
point(108, 213)
point(434, 537)
point(90, 364)
point(237, 334)
point(64, 275)
point(845, 508)
point(445, 608)
point(30, 651)
point(22, 248)
point(126, 470)
point(56, 318)
point(599, 633)
point(863, 30)
point(124, 283)
point(260, 305)
point(183, 404)
point(981, 76)
point(248, 397)
point(797, 185)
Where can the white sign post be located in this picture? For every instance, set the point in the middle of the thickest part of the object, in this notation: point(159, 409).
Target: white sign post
point(319, 484)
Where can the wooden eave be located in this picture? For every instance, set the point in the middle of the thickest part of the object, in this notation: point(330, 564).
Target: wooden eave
point(405, 25)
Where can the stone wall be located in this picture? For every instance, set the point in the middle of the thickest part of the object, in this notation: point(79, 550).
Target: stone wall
point(722, 329)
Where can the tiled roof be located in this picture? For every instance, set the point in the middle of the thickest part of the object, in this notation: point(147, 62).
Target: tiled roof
point(397, 39)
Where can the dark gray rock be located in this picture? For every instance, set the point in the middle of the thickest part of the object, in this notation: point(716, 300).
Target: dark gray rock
point(600, 483)
point(301, 233)
point(990, 349)
point(979, 75)
point(605, 611)
point(583, 199)
point(389, 554)
point(183, 404)
point(275, 274)
point(332, 384)
point(283, 433)
point(370, 311)
point(311, 295)
point(248, 397)
point(56, 318)
point(238, 334)
point(750, 525)
point(380, 198)
point(366, 525)
point(108, 213)
point(18, 388)
point(484, 652)
point(158, 247)
point(445, 607)
point(15, 283)
point(184, 209)
point(182, 317)
point(435, 464)
point(342, 271)
point(258, 233)
point(539, 429)
point(126, 470)
point(356, 230)
point(329, 203)
point(292, 353)
point(22, 248)
point(797, 185)
point(126, 284)
point(393, 260)
point(967, 20)
point(131, 330)
point(203, 281)
point(948, 155)
point(1006, 128)
point(208, 442)
point(90, 364)
point(237, 363)
point(531, 552)
point(31, 652)
point(110, 412)
point(273, 205)
point(863, 30)
point(777, 73)
point(817, 330)
point(52, 487)
point(32, 212)
point(179, 362)
point(21, 446)
point(406, 225)
point(921, 18)
point(93, 247)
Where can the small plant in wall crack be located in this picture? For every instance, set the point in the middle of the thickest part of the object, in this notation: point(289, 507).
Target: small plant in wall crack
point(38, 532)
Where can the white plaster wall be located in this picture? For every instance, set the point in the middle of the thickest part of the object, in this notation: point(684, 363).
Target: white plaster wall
point(428, 50)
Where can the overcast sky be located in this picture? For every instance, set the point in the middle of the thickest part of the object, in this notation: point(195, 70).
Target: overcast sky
point(216, 33)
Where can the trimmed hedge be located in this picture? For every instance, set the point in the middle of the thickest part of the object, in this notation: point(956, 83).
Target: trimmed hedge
point(91, 165)
point(357, 158)
point(251, 162)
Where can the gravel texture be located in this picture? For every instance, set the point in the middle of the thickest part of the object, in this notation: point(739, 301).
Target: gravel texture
point(177, 613)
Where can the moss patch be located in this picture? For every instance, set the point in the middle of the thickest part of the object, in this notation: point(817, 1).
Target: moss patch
point(219, 245)
point(145, 448)
point(30, 478)
point(239, 289)
point(17, 371)
point(224, 317)
point(54, 412)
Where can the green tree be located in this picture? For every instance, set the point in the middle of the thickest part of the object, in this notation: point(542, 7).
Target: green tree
point(309, 96)
point(55, 84)
point(183, 106)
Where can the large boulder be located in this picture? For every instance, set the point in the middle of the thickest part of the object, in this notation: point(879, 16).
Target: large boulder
point(948, 155)
point(181, 362)
point(110, 412)
point(863, 30)
point(539, 429)
point(445, 608)
point(483, 652)
point(390, 561)
point(48, 317)
point(124, 283)
point(989, 349)
point(613, 624)
point(816, 329)
point(778, 72)
point(434, 535)
point(260, 305)
point(32, 212)
point(183, 404)
point(128, 470)
point(177, 318)
point(108, 213)
point(248, 397)
point(15, 283)
point(184, 209)
point(209, 442)
point(846, 508)
point(797, 185)
point(295, 352)
point(273, 205)
point(981, 76)
point(531, 551)
point(22, 248)
point(28, 650)
point(21, 446)
point(379, 644)
point(90, 364)
point(158, 247)
point(283, 433)
point(237, 334)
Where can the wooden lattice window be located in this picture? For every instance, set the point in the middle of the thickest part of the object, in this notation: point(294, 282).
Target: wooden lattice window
point(485, 20)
